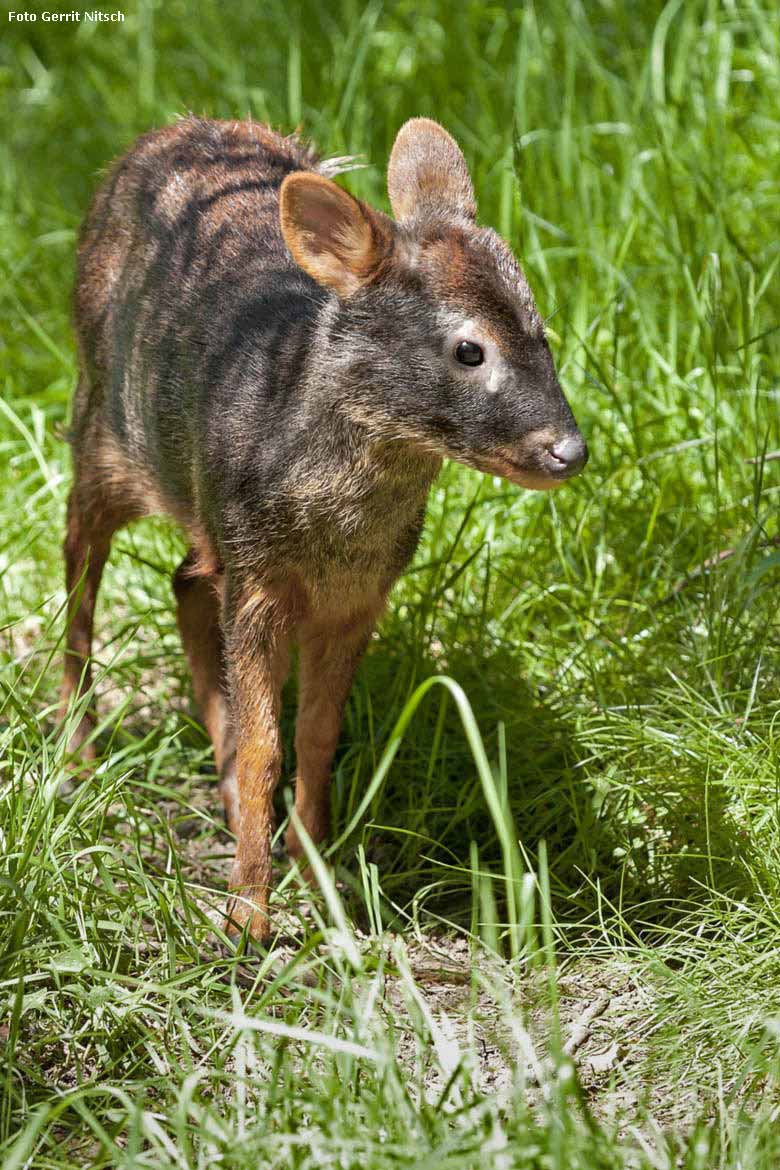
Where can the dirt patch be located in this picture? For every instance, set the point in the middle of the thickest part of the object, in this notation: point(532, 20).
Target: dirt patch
point(481, 1018)
point(500, 1023)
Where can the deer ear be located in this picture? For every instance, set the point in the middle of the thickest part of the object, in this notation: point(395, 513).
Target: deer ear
point(427, 172)
point(338, 240)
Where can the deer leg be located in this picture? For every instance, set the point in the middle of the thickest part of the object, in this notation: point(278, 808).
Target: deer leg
point(200, 625)
point(328, 660)
point(257, 644)
point(87, 545)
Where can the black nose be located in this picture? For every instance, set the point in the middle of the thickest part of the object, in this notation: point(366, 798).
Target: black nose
point(567, 455)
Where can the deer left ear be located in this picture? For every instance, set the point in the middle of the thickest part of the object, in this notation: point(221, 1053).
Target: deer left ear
point(338, 240)
point(427, 173)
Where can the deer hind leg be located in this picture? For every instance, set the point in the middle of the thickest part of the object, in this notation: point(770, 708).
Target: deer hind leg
point(329, 657)
point(93, 516)
point(200, 625)
point(108, 491)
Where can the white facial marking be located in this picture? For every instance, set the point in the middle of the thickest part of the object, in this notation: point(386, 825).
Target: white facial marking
point(490, 375)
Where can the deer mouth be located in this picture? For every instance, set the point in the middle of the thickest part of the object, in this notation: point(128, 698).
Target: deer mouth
point(541, 461)
point(533, 478)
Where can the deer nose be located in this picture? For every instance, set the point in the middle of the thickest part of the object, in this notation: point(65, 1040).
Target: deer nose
point(567, 455)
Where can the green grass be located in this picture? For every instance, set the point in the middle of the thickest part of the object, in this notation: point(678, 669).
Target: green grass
point(616, 643)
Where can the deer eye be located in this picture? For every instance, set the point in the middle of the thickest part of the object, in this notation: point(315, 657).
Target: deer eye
point(468, 353)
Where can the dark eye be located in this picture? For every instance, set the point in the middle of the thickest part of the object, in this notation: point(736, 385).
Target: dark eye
point(469, 353)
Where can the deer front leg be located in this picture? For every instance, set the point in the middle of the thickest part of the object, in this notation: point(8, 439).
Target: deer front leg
point(257, 657)
point(329, 657)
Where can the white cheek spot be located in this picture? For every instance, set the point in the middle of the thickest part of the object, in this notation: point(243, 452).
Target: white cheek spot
point(494, 382)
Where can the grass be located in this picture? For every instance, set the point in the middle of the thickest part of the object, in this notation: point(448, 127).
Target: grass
point(594, 794)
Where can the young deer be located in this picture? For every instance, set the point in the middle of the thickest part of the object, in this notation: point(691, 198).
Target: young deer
point(282, 369)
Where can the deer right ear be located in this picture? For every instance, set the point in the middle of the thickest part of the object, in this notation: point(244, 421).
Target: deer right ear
point(338, 240)
point(427, 173)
